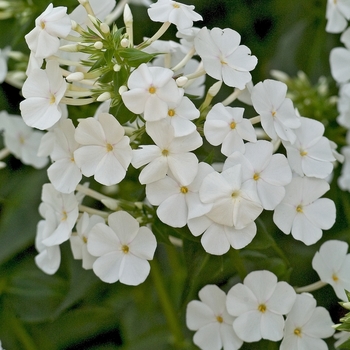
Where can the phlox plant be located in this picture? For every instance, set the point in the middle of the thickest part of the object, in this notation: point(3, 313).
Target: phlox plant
point(178, 201)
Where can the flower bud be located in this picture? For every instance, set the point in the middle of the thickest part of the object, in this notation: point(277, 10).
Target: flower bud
point(181, 81)
point(76, 76)
point(104, 97)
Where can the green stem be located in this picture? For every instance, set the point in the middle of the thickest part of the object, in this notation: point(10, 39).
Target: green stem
point(167, 305)
point(238, 263)
point(280, 252)
point(21, 333)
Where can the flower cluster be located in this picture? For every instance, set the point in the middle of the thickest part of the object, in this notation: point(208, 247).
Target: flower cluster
point(254, 310)
point(204, 167)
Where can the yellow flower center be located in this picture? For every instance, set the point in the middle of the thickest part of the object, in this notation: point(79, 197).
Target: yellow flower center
point(262, 308)
point(233, 125)
point(303, 153)
point(297, 332)
point(152, 90)
point(125, 249)
point(256, 177)
point(299, 208)
point(52, 99)
point(184, 189)
point(109, 147)
point(219, 319)
point(171, 112)
point(165, 152)
point(335, 278)
point(235, 194)
point(42, 25)
point(84, 239)
point(273, 113)
point(64, 216)
point(176, 5)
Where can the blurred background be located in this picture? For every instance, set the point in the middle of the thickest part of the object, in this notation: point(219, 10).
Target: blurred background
point(73, 310)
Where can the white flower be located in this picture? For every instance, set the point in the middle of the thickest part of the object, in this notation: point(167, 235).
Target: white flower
point(151, 90)
point(223, 57)
point(211, 321)
point(306, 324)
point(344, 178)
point(337, 14)
point(105, 152)
point(174, 12)
point(43, 91)
point(52, 24)
point(233, 204)
point(78, 241)
point(259, 304)
point(217, 239)
point(332, 263)
point(341, 337)
point(302, 212)
point(169, 154)
point(169, 193)
point(311, 153)
point(122, 249)
point(49, 257)
point(263, 172)
point(64, 174)
point(278, 117)
point(339, 59)
point(63, 211)
point(22, 141)
point(226, 126)
point(343, 106)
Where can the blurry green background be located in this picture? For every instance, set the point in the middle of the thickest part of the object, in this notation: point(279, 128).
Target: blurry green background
point(73, 309)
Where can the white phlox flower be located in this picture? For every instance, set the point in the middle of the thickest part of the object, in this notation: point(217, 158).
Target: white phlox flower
point(234, 204)
point(311, 153)
point(105, 152)
point(339, 59)
point(180, 115)
point(263, 172)
point(337, 14)
point(211, 321)
point(332, 263)
point(43, 91)
point(178, 203)
point(52, 24)
point(151, 89)
point(64, 173)
point(194, 87)
point(259, 304)
point(169, 153)
point(122, 249)
point(302, 212)
point(217, 239)
point(49, 257)
point(226, 126)
point(22, 141)
point(223, 57)
point(63, 209)
point(343, 105)
point(306, 324)
point(344, 178)
point(278, 117)
point(174, 12)
point(78, 241)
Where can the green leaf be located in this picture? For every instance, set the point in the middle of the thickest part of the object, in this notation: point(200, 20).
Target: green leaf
point(135, 57)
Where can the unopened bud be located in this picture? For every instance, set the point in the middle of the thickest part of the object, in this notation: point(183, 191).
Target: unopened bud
point(104, 28)
point(124, 42)
point(181, 81)
point(70, 48)
point(127, 16)
point(122, 89)
point(110, 203)
point(93, 19)
point(117, 67)
point(76, 76)
point(104, 97)
point(98, 45)
point(215, 88)
point(346, 305)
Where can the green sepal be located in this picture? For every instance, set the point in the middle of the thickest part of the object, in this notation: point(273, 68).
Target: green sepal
point(135, 57)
